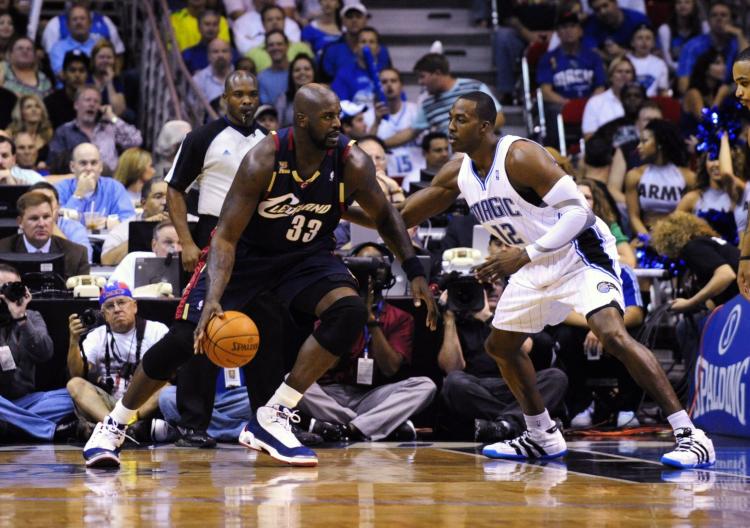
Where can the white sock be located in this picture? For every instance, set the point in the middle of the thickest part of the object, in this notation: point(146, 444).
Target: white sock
point(539, 421)
point(679, 420)
point(121, 414)
point(286, 396)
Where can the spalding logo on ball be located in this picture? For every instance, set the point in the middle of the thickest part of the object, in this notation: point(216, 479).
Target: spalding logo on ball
point(231, 341)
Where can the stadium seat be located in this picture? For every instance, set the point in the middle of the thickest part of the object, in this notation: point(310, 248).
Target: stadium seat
point(670, 108)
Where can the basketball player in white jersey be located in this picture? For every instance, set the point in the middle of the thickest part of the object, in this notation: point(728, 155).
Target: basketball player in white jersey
point(559, 257)
point(741, 74)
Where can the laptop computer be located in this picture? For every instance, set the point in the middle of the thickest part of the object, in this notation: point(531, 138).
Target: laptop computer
point(140, 233)
point(402, 285)
point(150, 270)
point(9, 195)
point(480, 240)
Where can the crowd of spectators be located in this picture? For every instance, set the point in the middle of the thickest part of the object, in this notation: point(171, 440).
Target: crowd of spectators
point(68, 129)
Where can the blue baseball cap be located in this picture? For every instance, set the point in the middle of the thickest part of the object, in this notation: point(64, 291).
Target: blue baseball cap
point(114, 289)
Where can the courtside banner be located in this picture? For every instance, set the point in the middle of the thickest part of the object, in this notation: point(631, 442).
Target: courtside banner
point(721, 381)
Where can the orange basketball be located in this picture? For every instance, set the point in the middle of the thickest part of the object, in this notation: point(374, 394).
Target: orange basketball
point(231, 341)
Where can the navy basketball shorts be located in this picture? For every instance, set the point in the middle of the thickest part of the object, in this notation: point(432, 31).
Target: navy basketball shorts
point(300, 281)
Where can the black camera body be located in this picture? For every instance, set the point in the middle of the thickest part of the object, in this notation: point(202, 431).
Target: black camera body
point(465, 293)
point(13, 291)
point(91, 318)
point(375, 271)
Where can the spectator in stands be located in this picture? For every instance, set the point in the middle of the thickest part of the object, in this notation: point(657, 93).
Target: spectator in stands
point(196, 57)
point(707, 88)
point(26, 344)
point(610, 30)
point(250, 29)
point(603, 205)
point(344, 50)
point(27, 153)
point(210, 80)
point(30, 116)
point(61, 103)
point(606, 106)
point(153, 206)
point(623, 132)
point(653, 190)
point(163, 243)
point(433, 72)
point(236, 8)
point(79, 38)
point(167, 142)
point(10, 172)
point(345, 405)
point(273, 80)
point(267, 117)
point(64, 227)
point(94, 123)
point(325, 28)
point(475, 395)
point(185, 25)
point(375, 148)
point(723, 35)
point(102, 365)
point(246, 64)
point(36, 222)
point(352, 81)
point(405, 160)
point(684, 24)
point(105, 78)
point(301, 72)
point(716, 196)
point(20, 73)
point(7, 32)
point(651, 71)
point(135, 169)
point(273, 20)
point(511, 38)
point(436, 151)
point(353, 120)
point(88, 191)
point(101, 27)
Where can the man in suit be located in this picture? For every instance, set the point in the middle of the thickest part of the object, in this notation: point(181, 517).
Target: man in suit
point(36, 220)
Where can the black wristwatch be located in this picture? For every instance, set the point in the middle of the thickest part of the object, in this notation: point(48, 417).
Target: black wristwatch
point(22, 318)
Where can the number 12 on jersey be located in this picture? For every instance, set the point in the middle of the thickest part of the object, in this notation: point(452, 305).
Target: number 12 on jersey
point(507, 234)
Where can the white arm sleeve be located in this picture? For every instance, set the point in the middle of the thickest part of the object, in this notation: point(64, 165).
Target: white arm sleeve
point(575, 216)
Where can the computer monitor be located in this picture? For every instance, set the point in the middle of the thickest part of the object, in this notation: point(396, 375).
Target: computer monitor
point(150, 270)
point(141, 232)
point(8, 227)
point(9, 195)
point(40, 272)
point(402, 286)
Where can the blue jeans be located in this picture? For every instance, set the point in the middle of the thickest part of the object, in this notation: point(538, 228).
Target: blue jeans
point(37, 413)
point(507, 48)
point(230, 414)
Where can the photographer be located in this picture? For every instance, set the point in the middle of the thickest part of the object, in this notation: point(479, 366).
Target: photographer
point(24, 344)
point(474, 393)
point(101, 367)
point(357, 398)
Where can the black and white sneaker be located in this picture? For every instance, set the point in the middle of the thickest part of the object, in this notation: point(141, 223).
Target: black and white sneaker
point(536, 444)
point(694, 450)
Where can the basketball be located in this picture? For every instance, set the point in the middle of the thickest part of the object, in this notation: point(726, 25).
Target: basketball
point(231, 341)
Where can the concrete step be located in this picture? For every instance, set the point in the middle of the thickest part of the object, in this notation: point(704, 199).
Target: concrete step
point(471, 59)
point(430, 21)
point(478, 38)
point(424, 4)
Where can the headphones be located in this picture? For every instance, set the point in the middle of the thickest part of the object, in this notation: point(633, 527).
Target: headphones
point(380, 247)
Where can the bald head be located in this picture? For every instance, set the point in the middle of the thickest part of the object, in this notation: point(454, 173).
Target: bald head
point(238, 77)
point(317, 113)
point(311, 97)
point(85, 158)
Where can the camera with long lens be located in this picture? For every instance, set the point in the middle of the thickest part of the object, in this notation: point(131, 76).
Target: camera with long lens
point(91, 318)
point(374, 272)
point(13, 292)
point(465, 292)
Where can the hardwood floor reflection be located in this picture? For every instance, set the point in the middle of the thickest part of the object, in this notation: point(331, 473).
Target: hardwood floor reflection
point(364, 486)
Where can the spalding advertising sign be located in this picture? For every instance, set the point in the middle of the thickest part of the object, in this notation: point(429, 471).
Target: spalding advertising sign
point(722, 373)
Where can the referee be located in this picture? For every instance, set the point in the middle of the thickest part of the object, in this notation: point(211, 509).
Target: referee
point(210, 155)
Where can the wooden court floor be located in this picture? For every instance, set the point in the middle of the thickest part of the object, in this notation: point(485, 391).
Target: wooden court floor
point(451, 485)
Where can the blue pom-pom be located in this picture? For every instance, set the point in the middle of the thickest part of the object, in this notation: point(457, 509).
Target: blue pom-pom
point(714, 122)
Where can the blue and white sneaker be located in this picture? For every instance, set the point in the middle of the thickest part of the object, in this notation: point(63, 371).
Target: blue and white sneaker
point(103, 448)
point(534, 444)
point(694, 450)
point(270, 430)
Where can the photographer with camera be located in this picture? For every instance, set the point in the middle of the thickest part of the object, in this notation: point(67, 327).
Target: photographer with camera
point(24, 344)
point(358, 398)
point(103, 352)
point(474, 393)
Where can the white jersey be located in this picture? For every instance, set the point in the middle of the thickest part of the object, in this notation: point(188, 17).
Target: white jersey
point(517, 221)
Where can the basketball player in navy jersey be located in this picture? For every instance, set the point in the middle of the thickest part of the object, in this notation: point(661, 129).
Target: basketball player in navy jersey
point(741, 74)
point(275, 232)
point(559, 257)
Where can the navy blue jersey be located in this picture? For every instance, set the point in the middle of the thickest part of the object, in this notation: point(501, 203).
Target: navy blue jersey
point(296, 215)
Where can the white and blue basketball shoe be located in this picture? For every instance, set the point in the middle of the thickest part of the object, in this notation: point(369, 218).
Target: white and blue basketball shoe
point(534, 444)
point(694, 450)
point(270, 430)
point(103, 448)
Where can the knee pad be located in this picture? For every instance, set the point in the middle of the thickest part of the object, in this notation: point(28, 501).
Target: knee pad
point(341, 325)
point(161, 361)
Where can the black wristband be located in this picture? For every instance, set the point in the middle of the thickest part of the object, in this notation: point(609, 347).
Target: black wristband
point(746, 257)
point(413, 268)
point(372, 324)
point(22, 318)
